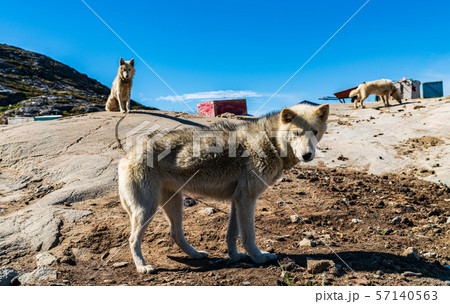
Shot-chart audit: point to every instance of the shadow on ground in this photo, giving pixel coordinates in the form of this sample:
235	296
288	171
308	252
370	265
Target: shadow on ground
358	261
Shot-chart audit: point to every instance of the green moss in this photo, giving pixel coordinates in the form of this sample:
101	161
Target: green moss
10	107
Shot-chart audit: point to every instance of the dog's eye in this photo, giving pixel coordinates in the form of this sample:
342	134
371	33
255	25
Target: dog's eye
315	132
295	133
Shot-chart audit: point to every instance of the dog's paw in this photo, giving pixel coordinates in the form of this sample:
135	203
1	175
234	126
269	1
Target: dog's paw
238	256
198	255
145	269
263	258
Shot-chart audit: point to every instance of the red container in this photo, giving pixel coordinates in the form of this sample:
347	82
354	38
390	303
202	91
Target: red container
217	107
344	94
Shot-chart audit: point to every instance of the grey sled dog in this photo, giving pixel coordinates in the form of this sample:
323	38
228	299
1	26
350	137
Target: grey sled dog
234	162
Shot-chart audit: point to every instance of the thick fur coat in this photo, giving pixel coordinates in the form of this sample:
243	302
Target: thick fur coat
119	98
384	88
233	162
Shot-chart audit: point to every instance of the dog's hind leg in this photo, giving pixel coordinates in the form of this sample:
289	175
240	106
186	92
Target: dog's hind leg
233	233
140	219
362	98
141	205
111	103
383	99
246	219
172	205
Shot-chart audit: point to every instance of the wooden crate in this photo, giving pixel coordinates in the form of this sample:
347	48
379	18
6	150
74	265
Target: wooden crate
216	107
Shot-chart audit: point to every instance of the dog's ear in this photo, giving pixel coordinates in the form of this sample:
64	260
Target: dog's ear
122	61
132	62
323	112
287	115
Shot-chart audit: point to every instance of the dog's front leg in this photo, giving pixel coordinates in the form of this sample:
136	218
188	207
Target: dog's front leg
246	218
120	101
127	103
232	234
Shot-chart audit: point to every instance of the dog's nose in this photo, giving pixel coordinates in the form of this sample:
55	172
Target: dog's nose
307	156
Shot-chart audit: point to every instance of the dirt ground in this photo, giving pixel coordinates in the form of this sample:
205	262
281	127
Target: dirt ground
348	215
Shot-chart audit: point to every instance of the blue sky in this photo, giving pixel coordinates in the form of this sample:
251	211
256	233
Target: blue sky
221	49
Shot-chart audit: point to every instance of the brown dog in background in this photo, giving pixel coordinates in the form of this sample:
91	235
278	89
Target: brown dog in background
119	98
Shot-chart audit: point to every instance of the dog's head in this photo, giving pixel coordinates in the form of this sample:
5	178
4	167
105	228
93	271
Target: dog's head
302	127
396	95
126	69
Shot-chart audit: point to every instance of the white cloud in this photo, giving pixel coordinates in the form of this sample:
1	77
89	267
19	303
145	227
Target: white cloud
211	95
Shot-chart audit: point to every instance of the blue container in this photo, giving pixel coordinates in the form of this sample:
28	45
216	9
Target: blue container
47	117
432	89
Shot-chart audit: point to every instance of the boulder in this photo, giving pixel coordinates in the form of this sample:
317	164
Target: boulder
6	275
42	273
45	259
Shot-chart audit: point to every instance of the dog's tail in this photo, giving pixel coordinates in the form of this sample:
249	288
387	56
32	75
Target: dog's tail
116	132
354	92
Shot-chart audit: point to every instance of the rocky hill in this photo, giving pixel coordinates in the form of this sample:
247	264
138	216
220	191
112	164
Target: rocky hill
34	84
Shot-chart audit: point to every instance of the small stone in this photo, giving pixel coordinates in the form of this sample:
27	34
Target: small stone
207	211
318	266
356	221
379	272
109	281
306	243
45	259
189	202
119	264
66	281
430	254
362	282
448	220
295	218
246	283
411	274
411	252
159	242
397	220
6	275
